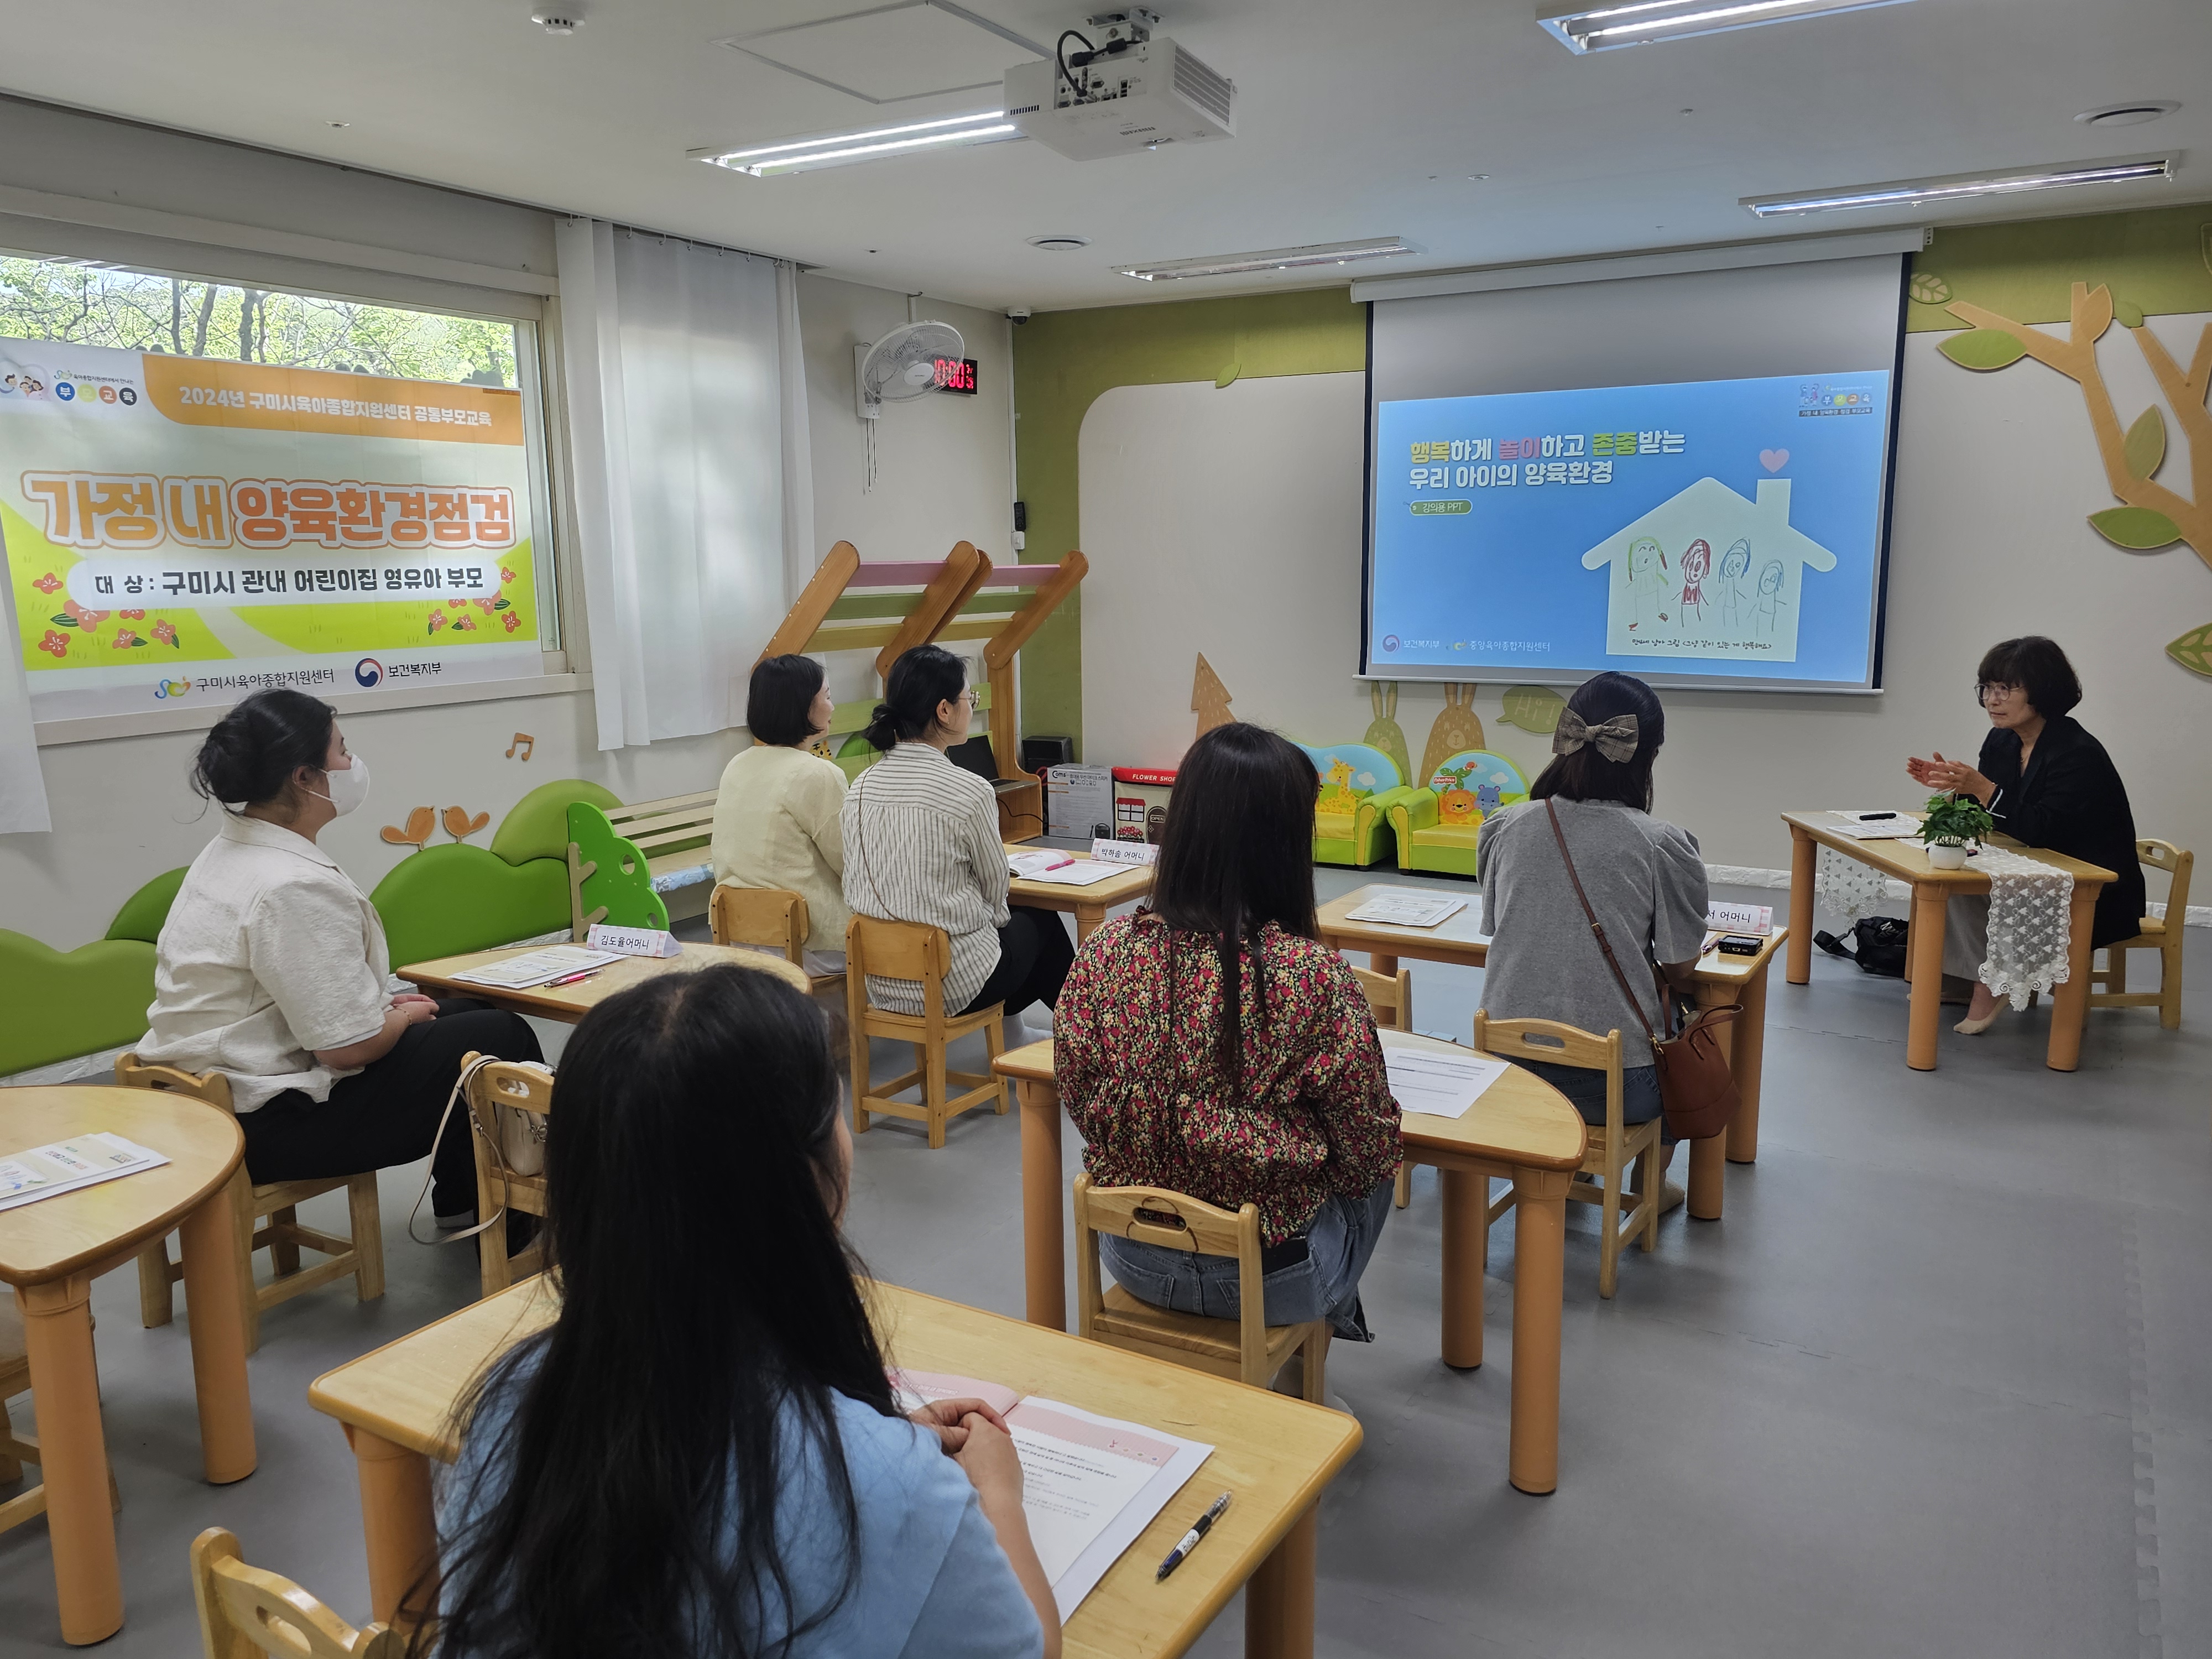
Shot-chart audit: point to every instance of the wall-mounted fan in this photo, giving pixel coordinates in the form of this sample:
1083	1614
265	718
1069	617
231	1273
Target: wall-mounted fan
901	365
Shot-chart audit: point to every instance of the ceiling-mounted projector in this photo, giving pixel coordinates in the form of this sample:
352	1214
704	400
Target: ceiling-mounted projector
1129	92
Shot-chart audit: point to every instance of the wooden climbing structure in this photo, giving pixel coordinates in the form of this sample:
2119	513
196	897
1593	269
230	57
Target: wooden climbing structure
850	606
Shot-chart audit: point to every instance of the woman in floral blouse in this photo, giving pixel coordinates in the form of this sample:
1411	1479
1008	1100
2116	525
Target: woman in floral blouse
1211	1045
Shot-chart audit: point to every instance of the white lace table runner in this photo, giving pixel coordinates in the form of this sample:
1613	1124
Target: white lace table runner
1848	889
2031	924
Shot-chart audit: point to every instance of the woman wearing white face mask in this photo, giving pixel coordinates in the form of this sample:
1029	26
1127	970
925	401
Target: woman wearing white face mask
272	969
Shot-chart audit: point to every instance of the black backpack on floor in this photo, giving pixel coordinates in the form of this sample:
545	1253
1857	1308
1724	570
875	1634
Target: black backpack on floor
1881	945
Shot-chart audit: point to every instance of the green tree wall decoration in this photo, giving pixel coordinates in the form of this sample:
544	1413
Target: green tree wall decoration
2152	515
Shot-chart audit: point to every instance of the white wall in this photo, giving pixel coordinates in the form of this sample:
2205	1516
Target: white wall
1228	521
121	809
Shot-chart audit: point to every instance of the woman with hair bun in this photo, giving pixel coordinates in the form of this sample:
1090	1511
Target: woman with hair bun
922	845
272	970
2048	783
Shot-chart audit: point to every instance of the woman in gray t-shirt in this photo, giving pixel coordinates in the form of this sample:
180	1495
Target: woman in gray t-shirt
1645	880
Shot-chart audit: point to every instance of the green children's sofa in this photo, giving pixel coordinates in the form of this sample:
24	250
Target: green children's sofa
1437	825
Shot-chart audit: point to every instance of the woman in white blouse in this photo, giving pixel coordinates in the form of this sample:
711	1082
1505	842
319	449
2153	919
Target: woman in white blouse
776	814
272	970
921	844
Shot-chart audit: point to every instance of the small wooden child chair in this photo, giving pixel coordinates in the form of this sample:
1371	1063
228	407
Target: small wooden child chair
1390	1000
360	1254
905	950
767	918
504	1082
2160	934
245	1611
1612	1148
1246	1348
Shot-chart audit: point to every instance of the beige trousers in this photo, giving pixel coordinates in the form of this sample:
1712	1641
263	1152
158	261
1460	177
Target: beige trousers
1966	935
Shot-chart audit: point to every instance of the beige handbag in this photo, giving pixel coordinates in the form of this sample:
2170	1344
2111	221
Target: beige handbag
517	1140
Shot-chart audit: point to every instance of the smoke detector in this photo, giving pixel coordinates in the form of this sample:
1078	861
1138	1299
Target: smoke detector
565	21
2133	114
1059	243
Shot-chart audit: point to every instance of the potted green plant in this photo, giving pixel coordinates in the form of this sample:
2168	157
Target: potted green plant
1952	821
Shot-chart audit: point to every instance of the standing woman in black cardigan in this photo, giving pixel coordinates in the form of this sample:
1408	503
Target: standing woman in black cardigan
2048	783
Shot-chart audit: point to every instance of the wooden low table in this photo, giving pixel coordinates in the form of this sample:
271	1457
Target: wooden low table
1721	980
1932	888
1274	1453
1088	905
51	1252
570	1003
1521	1129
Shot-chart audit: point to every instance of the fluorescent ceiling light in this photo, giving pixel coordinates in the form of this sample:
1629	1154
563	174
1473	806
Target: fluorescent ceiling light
1585	29
1275	258
1958	187
844	149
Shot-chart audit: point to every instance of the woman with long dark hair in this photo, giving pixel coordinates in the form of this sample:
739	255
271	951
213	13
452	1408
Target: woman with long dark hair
2048	783
1645	879
272	969
922	845
721	1474
777	808
1211	1045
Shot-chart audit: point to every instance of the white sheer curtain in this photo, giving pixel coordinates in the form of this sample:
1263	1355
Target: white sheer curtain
687	422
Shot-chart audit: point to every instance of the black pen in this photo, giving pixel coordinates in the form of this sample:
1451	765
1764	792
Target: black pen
1202	1525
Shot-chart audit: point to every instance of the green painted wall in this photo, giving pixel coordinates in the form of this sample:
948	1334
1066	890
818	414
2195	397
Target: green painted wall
2160	259
1064	359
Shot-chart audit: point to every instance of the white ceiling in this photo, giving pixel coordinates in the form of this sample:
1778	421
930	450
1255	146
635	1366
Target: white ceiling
1354	119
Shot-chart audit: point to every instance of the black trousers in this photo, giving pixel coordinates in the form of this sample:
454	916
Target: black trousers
1035	953
388	1112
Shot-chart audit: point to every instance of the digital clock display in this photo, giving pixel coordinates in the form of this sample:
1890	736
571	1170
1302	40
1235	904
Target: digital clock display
956	374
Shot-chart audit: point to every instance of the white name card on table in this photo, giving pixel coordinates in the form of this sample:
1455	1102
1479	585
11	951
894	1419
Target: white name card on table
1740	918
63	1166
1408	906
1124	852
1437	1082
633	941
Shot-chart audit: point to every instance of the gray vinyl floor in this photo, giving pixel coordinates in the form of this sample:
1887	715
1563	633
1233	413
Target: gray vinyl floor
1940	1382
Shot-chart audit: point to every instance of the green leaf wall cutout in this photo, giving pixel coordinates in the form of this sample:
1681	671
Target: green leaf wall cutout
2193	650
2130	315
2145	448
1983	348
1533	709
2136	527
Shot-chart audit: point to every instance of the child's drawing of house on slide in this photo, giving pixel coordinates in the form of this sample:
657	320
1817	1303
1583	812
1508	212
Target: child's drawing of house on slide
1764	618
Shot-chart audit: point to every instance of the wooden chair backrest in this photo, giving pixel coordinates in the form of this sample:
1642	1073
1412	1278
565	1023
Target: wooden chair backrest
213	1087
898	949
506	1083
1546	1041
245	1611
2176	863
1390	995
1154	1215
767	916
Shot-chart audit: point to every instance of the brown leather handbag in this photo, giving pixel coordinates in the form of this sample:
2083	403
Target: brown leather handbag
1696	1090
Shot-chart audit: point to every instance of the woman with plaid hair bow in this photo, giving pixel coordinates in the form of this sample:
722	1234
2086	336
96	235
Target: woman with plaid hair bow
1644	877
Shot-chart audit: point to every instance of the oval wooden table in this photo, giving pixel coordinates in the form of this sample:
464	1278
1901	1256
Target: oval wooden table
52	1250
1521	1129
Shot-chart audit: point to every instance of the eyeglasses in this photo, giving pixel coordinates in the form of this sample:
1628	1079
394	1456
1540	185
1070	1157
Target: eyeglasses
1990	691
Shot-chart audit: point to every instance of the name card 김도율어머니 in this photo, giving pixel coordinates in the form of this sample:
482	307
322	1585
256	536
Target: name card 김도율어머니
634	941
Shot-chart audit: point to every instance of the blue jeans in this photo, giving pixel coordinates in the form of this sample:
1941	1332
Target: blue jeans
1640	1091
1324	1285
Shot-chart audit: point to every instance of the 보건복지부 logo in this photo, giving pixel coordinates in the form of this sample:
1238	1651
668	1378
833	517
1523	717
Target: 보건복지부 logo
1389	641
368	671
171	687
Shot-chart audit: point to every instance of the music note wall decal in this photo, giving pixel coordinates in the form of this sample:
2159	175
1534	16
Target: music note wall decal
523	741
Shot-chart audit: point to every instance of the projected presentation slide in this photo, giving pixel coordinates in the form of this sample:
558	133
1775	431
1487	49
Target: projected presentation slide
1720	531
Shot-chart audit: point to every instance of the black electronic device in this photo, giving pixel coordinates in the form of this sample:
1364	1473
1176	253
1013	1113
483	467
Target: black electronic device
974	756
1038	753
1739	944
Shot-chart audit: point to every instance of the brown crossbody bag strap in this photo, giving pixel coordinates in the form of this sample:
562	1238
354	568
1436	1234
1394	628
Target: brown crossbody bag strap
1697	1090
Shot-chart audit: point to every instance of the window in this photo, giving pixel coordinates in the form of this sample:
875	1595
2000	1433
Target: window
206	487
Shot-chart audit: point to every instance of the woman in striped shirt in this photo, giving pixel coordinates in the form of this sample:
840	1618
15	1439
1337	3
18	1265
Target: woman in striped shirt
922	845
